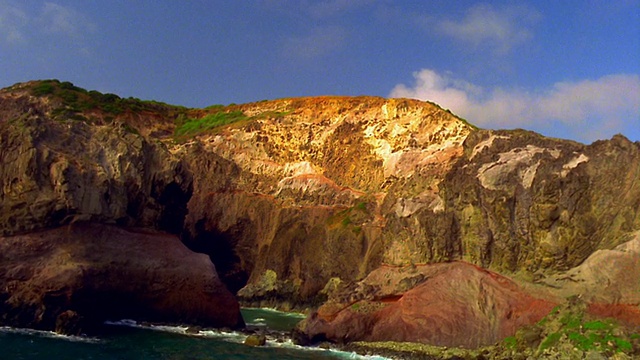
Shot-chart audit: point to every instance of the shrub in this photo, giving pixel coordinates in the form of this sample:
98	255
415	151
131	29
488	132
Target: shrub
550	340
44	88
510	342
211	121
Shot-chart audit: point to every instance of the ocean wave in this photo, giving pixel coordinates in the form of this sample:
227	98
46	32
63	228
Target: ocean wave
275	312
48	334
239	338
177	329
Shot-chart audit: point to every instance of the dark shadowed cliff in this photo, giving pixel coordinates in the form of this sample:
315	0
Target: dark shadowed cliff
301	201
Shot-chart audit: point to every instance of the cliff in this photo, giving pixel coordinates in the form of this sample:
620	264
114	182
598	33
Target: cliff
298	201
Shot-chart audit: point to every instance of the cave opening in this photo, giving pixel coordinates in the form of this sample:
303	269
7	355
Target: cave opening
221	249
174	200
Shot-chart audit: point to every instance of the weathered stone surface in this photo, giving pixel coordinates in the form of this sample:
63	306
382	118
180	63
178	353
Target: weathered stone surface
75	277
608	280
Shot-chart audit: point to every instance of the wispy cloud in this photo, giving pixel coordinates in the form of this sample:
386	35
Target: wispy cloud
13	21
20	24
321	29
315	9
327	8
58	19
319	42
591	109
485	27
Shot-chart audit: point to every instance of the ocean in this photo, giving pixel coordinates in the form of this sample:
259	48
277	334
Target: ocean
128	340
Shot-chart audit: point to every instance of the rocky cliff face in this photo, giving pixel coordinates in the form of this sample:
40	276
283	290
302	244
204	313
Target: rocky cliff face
56	170
295	199
74	278
336	187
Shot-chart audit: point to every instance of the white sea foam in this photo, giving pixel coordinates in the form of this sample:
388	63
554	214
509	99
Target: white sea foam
258	321
276	311
135	324
239	338
48	334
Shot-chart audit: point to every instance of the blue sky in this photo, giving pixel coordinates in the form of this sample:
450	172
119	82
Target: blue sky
568	69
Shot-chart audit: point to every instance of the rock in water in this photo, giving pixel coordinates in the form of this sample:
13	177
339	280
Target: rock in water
52	279
69	323
255	340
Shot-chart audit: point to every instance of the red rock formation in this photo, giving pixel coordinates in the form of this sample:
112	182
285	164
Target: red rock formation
458	304
99	272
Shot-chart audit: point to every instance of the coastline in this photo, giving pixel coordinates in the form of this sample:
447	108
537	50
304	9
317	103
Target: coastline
414	351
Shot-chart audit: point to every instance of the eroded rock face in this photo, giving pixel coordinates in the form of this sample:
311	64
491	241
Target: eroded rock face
73	278
544	205
304	193
335	187
54	172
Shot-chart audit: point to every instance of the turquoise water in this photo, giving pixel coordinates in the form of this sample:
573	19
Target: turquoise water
127	340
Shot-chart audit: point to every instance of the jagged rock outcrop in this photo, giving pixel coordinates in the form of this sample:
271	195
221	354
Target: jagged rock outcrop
55	172
73	278
294	199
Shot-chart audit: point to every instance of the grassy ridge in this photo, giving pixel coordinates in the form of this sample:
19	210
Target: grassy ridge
221	116
74	101
71	102
190	127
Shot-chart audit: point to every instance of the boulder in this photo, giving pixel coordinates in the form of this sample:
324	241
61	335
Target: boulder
256	340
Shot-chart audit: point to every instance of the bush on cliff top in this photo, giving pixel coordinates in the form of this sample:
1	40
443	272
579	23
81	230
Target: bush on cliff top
220	116
75	100
191	127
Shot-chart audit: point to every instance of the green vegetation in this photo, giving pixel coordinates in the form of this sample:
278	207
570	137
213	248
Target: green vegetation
219	116
510	342
351	217
567	327
42	89
73	101
550	340
192	127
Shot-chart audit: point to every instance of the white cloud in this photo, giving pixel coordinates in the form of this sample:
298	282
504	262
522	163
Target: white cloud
591	109
485	26
19	24
319	42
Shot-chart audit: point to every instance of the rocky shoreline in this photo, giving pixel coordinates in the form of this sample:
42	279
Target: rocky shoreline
393	219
